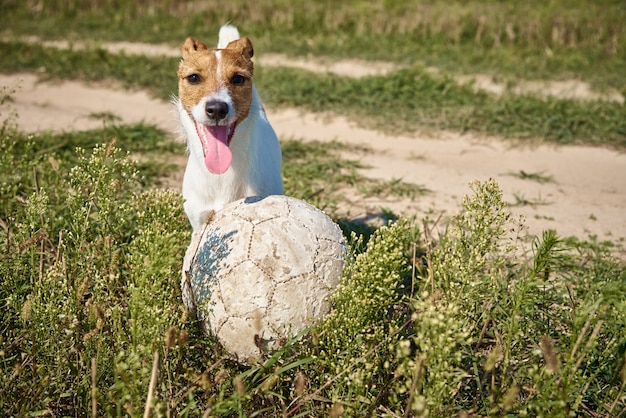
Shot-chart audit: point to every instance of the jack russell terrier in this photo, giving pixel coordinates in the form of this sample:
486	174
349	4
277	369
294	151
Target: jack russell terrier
233	149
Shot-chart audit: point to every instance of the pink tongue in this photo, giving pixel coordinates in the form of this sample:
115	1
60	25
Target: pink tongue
217	155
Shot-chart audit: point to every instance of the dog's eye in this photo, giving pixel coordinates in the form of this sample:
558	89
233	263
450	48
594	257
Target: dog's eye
194	79
238	79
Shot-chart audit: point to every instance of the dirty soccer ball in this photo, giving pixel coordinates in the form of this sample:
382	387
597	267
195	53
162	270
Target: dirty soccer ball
262	271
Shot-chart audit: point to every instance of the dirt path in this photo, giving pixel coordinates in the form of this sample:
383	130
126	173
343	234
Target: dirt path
586	194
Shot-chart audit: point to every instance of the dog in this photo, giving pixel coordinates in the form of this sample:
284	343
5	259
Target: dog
233	150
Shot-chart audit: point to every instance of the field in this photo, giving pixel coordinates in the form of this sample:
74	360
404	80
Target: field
494	298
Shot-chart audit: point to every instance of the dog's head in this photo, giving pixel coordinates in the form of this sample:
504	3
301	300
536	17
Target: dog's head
215	88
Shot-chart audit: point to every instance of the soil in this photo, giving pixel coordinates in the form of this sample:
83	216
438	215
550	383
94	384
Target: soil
584	193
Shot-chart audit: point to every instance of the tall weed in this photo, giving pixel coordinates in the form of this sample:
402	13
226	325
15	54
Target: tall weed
90	279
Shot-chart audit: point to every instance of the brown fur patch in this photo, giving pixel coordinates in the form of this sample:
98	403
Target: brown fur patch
214	73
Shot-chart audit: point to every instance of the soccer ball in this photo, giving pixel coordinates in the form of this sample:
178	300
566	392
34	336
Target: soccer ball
261	271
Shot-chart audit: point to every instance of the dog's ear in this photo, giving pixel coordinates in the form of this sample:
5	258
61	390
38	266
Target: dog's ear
242	46
191	45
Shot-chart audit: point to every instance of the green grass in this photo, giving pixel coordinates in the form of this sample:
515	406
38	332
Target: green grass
394	103
308	166
148	143
411	97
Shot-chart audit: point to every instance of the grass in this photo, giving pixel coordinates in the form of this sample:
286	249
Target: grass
404	98
540	177
310	164
148	141
473	322
521	200
394	187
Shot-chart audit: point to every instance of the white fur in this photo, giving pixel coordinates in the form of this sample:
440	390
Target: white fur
199	110
228	33
218	56
256	163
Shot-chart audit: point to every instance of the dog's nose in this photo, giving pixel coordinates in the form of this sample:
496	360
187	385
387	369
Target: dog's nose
216	110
